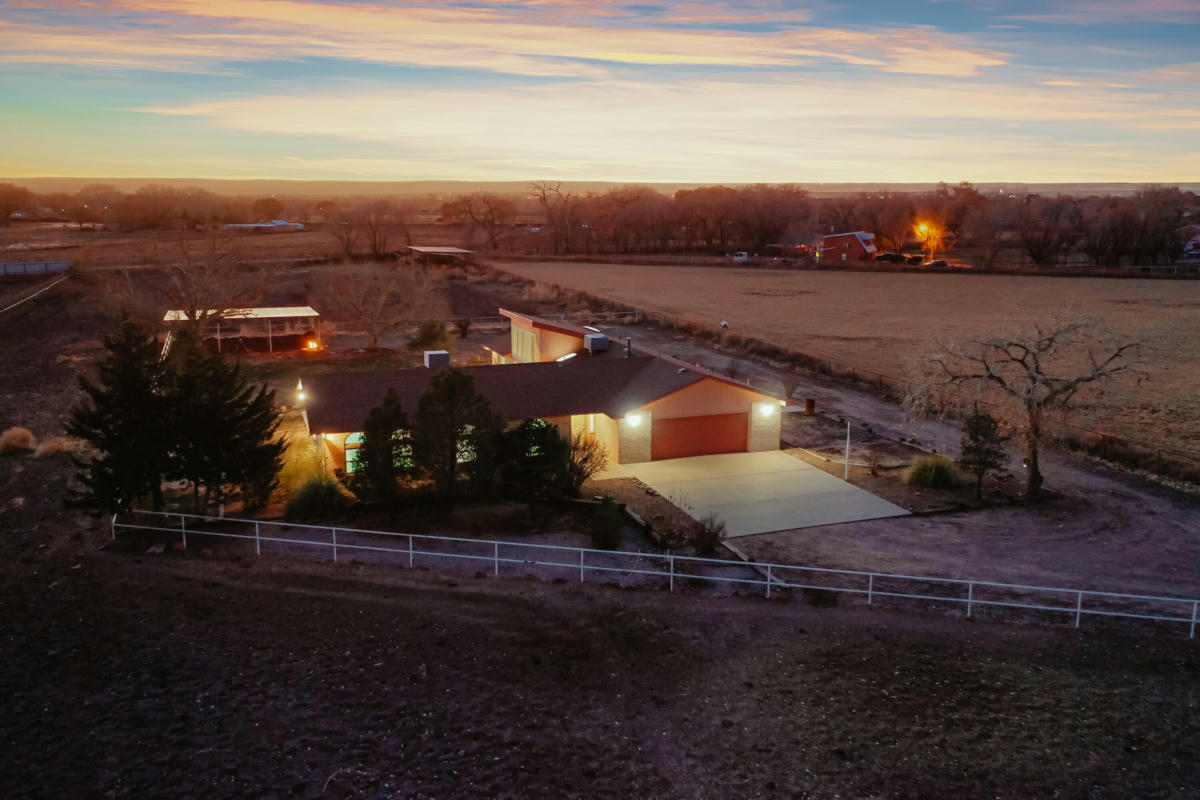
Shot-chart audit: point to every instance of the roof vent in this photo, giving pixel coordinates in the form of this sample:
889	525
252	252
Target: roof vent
436	359
595	342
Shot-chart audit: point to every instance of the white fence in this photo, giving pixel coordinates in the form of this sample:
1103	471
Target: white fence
664	569
33	267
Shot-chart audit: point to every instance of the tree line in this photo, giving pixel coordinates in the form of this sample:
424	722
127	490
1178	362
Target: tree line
1145	228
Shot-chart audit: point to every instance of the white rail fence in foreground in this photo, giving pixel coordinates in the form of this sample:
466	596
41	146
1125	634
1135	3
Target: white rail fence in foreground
663	569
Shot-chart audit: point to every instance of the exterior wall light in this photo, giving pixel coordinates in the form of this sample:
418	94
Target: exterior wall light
766	409
634	419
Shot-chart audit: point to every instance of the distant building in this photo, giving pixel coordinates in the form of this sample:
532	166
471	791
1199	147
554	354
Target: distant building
857	247
274	226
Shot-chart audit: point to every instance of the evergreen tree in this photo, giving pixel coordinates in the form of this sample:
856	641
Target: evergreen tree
126	420
386	452
224	429
531	461
982	448
455	432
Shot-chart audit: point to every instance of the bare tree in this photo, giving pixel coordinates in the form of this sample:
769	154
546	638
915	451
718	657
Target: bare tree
561	209
484	212
376	220
585	457
13	198
1048	368
376	299
206	284
345	231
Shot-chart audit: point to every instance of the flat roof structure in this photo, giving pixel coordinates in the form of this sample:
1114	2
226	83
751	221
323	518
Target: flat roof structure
269	312
441	251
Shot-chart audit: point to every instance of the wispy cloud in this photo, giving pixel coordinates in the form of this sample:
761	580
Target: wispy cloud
782	130
565	39
1096	12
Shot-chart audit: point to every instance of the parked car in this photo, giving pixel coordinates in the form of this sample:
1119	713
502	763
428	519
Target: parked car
890	258
740	255
914	260
937	262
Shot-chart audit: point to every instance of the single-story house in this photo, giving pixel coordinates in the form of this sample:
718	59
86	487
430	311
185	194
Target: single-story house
640	406
857	247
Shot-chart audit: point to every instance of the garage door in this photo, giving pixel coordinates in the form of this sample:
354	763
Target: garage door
699	436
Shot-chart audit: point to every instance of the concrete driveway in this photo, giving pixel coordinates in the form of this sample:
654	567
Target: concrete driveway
757	492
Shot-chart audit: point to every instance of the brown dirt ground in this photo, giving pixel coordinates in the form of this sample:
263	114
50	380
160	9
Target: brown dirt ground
879	322
818	440
139	677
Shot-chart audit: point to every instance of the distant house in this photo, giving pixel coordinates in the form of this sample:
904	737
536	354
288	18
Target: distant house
1190	235
274	226
857	247
640	406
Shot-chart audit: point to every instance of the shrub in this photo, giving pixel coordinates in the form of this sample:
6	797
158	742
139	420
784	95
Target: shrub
932	472
709	531
432	335
607	526
321	498
16	440
58	444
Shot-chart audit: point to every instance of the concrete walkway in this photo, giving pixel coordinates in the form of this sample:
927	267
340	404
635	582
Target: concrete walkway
757	492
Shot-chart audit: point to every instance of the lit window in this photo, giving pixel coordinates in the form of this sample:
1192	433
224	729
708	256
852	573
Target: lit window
353	452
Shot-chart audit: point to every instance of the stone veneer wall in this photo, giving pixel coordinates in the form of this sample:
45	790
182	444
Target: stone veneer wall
633	441
764	429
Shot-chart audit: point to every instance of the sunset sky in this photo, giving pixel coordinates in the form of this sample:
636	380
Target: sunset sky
927	90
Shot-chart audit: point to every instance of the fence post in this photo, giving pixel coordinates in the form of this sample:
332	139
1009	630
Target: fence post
257	540
870	589
581	552
1078	608
496	558
1195	608
671	564
970	598
335	544
768	581
183	530
112	526
410	551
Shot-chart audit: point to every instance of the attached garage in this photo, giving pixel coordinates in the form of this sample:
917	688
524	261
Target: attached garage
682	437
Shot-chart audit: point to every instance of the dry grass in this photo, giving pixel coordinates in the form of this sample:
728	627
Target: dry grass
17	440
879	322
59	444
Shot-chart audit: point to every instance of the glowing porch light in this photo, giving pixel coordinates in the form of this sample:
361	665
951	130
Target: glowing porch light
766	409
312	344
634	419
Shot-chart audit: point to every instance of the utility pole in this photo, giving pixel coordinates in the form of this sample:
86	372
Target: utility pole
846	474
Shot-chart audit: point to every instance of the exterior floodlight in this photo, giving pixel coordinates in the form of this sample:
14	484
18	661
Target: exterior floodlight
301	396
766	409
634	419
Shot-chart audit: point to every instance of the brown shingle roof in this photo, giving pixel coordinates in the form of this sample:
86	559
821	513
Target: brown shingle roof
339	402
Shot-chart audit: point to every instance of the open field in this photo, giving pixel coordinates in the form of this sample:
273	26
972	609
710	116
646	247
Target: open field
99	249
879	322
280	679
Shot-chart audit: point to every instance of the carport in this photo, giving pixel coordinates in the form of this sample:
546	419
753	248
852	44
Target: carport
757	492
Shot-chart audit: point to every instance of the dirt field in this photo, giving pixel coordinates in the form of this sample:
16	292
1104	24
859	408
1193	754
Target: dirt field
138	677
878	322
